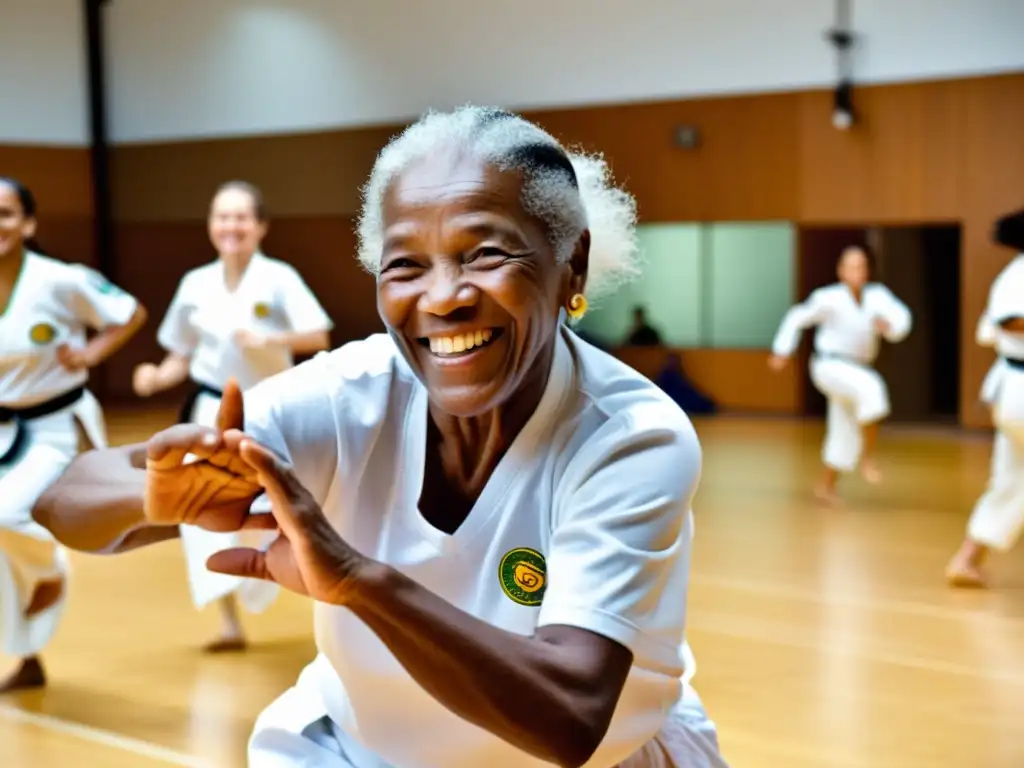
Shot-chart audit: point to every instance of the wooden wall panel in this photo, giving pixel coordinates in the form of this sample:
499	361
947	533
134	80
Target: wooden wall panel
742	170
737	379
317	174
946	151
901	164
60	179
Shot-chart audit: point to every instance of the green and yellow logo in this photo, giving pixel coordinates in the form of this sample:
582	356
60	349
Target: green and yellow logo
42	333
523	576
261	310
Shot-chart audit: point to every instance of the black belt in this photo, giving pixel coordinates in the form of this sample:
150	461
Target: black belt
1014	362
197	389
21	416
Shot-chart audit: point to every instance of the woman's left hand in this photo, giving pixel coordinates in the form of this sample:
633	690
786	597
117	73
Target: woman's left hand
308	556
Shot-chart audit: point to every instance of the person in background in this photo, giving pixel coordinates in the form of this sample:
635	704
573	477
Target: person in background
673	382
998	517
245	317
643	333
849	317
46	308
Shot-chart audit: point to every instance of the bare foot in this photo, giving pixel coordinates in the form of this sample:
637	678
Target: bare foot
29	675
870	472
960	574
226	644
46	595
827	496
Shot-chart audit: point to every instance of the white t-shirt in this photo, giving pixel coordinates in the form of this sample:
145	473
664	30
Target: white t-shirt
53	303
589	509
204	317
844	327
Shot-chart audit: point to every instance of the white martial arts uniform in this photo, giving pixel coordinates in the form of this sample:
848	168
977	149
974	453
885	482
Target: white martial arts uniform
845	348
998	517
53	304
201	324
586	521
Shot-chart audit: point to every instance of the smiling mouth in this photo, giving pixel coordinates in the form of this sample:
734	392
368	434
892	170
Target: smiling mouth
460	344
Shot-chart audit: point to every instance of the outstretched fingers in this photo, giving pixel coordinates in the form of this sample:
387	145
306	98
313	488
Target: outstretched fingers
231	414
169	448
240	561
282	487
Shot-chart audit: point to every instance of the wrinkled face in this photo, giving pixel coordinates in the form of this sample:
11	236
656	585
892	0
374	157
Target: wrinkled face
853	268
234	227
469	285
15	226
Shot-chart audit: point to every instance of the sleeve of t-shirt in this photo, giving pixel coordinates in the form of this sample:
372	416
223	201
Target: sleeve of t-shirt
619	558
176	333
1006	297
97	302
304	312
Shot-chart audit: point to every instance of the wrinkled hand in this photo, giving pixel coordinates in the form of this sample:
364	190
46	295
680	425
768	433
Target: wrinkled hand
882	326
73	360
308	557
777	362
215	490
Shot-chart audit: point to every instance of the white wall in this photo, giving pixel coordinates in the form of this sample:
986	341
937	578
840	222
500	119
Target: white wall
43	85
193	68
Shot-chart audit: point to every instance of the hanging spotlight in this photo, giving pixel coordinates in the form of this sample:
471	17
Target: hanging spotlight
842	39
842	109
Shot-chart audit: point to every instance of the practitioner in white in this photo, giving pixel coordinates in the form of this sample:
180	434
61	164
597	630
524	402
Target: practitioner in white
244	316
998	517
849	317
45	308
492	516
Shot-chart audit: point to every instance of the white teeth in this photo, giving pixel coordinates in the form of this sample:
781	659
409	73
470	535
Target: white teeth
451	345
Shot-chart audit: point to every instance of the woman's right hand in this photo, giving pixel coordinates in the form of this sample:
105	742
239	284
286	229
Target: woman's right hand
146	380
777	362
192	477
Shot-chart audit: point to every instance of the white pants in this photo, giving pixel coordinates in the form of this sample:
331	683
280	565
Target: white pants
998	517
295	731
29	554
856	396
255	595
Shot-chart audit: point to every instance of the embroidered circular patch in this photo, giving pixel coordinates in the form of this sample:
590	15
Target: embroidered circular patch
261	310
42	333
523	575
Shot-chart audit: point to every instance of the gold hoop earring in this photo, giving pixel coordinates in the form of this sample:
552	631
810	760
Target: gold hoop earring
577	306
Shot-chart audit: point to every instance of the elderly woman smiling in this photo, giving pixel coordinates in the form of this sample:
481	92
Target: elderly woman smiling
492	517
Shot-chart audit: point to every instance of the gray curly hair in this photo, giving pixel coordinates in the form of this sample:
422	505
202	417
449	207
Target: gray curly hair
569	191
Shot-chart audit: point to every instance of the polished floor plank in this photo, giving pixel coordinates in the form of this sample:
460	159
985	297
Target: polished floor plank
825	638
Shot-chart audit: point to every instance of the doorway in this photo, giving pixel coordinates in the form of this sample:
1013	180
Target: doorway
921	265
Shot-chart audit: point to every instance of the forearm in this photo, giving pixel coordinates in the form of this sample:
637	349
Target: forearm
172	371
787	338
108	341
98	500
308	343
471	667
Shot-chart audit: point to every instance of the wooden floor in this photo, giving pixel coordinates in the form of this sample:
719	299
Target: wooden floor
824	638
